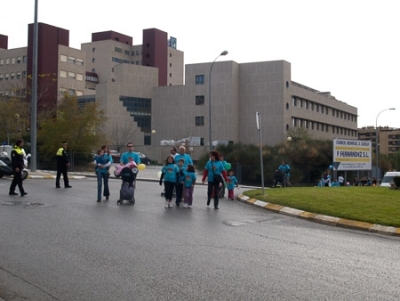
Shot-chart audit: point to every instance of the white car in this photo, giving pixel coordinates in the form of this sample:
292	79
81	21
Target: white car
388	178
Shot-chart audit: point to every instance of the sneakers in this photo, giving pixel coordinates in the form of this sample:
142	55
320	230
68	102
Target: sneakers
169	205
166	204
185	205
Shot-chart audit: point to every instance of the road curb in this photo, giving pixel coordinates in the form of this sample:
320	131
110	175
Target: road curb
322	219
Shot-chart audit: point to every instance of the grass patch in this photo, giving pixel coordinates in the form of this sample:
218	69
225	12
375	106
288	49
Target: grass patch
375	205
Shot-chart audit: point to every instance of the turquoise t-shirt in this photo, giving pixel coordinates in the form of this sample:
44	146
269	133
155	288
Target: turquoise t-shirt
170	172
214	168
125	157
190	178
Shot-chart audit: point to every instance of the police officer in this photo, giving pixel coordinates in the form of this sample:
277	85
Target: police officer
62	166
17	160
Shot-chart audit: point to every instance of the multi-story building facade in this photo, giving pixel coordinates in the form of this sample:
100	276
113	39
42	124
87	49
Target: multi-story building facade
143	86
388	138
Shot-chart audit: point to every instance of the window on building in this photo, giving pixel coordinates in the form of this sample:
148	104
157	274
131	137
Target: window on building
327	109
341	115
79	76
317	126
13	60
311	125
199	120
322	127
71	60
312	106
1	62
333	112
317	107
1	76
79	93
116	49
71	91
294	122
294	101
127	52
306	104
63	91
71	75
79	62
337	113
199	79
333	129
300	103
199	100
23	74
19	60
63	73
18	75
24	59
327	128
6	76
7	61
322	109
63	58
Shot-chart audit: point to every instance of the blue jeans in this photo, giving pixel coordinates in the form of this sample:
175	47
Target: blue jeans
102	177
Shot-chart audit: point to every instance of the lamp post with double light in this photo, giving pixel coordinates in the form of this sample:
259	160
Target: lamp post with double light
377	142
209	98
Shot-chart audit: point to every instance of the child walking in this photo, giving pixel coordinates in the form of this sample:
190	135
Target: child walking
189	182
171	174
179	184
232	182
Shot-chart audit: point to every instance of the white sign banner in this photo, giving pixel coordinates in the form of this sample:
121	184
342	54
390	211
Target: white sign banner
352	154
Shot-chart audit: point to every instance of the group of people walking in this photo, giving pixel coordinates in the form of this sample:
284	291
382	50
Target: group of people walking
179	174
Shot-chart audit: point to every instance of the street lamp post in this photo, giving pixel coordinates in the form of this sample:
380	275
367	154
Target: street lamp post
153	132
209	98
377	142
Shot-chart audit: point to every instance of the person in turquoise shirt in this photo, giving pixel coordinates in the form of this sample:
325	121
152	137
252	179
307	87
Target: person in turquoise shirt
170	174
232	182
129	154
182	155
102	165
215	173
179	184
189	182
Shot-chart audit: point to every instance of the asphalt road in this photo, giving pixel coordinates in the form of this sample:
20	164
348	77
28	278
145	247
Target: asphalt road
60	244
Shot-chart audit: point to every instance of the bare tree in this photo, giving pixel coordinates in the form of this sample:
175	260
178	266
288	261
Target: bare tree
121	133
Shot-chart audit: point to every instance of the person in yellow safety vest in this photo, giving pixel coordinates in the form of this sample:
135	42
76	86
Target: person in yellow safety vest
17	159
62	166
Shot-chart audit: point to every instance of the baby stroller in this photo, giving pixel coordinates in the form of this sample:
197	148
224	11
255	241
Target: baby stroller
127	191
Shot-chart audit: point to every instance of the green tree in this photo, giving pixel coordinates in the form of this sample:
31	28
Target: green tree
70	122
14	118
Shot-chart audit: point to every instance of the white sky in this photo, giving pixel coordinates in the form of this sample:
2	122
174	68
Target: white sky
348	47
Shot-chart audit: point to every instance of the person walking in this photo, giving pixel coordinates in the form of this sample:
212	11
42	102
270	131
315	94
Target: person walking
170	172
215	173
103	162
285	169
189	182
130	154
232	182
183	155
62	166
17	161
179	184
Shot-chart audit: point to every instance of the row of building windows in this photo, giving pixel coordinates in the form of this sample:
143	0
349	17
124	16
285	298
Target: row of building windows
71	92
13	92
71	75
323	127
13	75
127	52
13	60
122	61
310	105
70	59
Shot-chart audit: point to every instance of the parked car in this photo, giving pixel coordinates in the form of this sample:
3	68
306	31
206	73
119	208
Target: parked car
116	156
144	159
